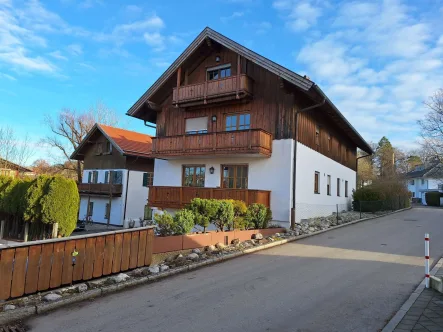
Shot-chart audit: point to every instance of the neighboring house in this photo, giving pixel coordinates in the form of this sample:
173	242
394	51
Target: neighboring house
233	124
118	168
8	168
425	178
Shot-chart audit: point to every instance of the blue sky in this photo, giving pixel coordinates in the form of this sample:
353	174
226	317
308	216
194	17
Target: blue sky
377	60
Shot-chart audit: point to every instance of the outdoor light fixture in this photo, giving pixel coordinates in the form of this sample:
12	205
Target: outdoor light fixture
214	118
211	170
217	59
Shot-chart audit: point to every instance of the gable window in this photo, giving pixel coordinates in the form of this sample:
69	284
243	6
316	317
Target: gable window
235	176
196	125
328	186
148	179
317	135
338	186
238	121
194	176
346	188
317	183
219	72
108	149
329	142
98	149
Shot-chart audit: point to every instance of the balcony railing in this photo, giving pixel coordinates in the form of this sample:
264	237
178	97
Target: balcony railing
213	90
178	197
100	189
252	141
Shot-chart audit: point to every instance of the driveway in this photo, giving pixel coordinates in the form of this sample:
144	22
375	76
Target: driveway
351	279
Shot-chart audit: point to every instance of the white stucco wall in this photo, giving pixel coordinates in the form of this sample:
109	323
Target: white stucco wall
309	204
274	173
418	186
137	196
98	214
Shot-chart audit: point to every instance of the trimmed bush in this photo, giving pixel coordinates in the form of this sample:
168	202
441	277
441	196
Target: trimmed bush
184	221
204	210
433	198
224	215
165	224
259	215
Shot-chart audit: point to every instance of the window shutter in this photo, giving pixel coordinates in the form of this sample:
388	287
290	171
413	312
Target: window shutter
106	177
89	177
145	179
197	124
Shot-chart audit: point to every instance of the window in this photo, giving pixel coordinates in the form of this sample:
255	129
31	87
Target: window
440	186
147	213
219	72
90	209
238	122
194	176
106	177
328	186
196	125
413	194
93	177
346	188
107	211
338	186
317	183
329	142
412	182
148	179
235	176
422	181
317	135
98	149
108	149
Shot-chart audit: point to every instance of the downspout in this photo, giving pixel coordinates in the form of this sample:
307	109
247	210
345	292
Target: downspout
295	157
126	197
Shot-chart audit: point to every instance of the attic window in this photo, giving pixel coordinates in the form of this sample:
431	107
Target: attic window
219	72
108	149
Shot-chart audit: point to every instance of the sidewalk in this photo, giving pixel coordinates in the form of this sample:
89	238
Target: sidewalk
426	314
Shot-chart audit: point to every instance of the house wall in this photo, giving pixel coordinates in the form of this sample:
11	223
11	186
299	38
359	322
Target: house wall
137	196
274	173
418	186
114	160
99	211
309	204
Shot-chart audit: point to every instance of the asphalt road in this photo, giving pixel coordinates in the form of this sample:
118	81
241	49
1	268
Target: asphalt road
351	279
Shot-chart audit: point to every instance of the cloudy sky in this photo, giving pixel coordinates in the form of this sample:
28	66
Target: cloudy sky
376	60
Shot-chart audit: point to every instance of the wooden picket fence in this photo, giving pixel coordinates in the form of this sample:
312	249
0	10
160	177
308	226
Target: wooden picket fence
38	266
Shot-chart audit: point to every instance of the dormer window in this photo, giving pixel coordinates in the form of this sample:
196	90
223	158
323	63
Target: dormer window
219	72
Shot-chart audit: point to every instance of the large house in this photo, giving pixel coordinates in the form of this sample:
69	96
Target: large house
118	168
232	124
425	178
8	168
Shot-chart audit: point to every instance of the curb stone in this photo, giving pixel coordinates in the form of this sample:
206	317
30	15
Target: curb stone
22	313
392	324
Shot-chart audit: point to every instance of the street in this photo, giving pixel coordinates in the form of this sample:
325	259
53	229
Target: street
350	279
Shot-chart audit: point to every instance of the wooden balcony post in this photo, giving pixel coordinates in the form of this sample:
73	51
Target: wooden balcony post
179	74
205	92
238	76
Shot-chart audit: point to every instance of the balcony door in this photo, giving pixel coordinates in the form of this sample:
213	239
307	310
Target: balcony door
193	176
235	176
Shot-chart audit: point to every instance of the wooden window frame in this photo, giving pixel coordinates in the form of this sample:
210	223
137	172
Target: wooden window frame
148	179
194	180
237	123
235	175
338	187
316	182
328	185
346	188
218	68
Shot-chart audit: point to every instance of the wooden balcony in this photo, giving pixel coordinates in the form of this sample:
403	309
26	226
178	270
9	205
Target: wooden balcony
178	197
254	142
213	91
100	189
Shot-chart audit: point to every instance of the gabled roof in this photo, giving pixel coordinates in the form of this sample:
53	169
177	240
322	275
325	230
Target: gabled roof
10	165
433	171
305	85
128	143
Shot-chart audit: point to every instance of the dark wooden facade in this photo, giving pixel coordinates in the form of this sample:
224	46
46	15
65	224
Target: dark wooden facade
273	106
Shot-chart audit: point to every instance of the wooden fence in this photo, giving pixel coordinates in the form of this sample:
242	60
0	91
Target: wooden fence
38	266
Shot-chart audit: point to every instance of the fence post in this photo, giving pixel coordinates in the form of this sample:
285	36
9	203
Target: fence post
427	259
54	230
26	232
337	212
2	229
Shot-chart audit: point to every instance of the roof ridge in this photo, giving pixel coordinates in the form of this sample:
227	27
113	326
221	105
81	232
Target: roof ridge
118	128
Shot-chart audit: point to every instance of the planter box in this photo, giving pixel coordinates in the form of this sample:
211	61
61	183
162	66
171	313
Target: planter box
192	241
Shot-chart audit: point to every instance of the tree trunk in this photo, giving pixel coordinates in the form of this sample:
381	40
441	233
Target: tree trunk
79	171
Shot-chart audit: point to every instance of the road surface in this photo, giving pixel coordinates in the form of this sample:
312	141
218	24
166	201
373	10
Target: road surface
351	279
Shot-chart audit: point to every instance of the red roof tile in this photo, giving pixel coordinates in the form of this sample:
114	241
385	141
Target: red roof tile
131	142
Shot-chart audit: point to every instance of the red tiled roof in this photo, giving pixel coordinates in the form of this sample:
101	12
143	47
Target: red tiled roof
130	142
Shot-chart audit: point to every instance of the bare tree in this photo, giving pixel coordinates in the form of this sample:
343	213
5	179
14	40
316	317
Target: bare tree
432	126
69	127
13	148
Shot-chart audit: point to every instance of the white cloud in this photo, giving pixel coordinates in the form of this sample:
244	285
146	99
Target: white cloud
155	40
90	3
21	59
231	17
299	15
87	66
58	55
75	49
9	77
152	22
133	9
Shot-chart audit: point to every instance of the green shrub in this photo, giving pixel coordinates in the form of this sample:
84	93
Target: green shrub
224	215
242	223
259	215
238	222
204	210
165	224
433	198
38	188
184	221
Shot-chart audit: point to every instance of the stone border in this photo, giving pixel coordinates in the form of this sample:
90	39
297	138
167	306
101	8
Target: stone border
25	312
392	324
